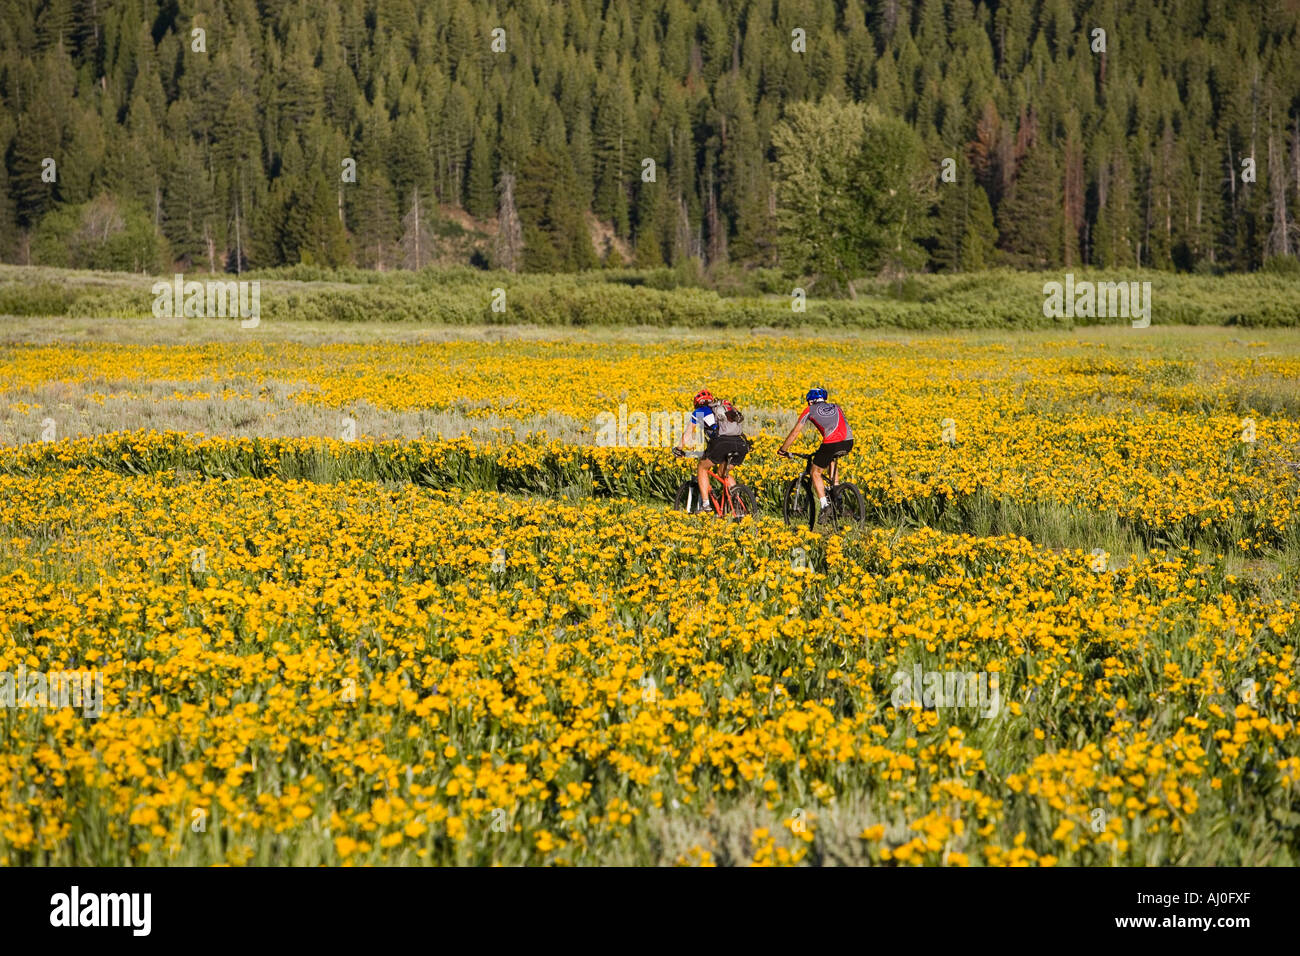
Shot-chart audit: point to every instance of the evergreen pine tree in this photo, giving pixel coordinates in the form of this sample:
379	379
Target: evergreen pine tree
1029	217
375	214
480	198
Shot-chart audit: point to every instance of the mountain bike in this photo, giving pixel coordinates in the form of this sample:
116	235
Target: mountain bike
734	499
844	500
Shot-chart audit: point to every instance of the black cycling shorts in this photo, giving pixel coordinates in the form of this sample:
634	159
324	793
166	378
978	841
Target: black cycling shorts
729	448
830	450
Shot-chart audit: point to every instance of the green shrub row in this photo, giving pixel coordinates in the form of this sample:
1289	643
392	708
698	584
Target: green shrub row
666	298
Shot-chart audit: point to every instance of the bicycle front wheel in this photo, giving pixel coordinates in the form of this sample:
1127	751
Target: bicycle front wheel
688	497
797	505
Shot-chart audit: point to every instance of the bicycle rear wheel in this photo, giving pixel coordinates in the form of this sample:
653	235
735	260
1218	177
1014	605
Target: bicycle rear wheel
797	504
743	502
848	503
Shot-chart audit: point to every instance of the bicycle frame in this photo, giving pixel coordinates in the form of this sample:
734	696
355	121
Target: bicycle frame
831	471
720	477
796	510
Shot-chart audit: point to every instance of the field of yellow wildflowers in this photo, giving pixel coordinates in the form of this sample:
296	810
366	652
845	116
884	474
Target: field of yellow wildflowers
1066	635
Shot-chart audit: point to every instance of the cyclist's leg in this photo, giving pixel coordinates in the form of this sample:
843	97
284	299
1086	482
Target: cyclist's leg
816	467
826	457
819	485
702	478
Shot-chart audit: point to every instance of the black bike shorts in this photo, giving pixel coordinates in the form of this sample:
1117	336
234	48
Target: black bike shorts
830	450
728	448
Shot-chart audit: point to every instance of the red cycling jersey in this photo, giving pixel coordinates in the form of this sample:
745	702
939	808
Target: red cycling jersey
828	419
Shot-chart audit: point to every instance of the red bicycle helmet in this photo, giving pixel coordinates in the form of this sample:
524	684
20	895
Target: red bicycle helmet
703	397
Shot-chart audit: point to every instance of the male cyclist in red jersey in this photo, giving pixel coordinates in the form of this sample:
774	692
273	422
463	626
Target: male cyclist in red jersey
726	441
837	437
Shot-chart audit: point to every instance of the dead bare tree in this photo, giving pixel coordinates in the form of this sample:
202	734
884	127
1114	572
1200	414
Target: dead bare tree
509	246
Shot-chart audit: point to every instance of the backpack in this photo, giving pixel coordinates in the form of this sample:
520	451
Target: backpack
729	418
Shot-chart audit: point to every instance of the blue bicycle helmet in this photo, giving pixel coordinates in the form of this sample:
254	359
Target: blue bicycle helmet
816	395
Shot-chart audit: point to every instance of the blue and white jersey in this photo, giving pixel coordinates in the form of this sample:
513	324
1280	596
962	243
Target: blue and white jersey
704	417
714	421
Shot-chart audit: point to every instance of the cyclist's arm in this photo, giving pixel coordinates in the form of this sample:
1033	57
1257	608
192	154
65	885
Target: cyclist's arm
696	422
794	433
690	431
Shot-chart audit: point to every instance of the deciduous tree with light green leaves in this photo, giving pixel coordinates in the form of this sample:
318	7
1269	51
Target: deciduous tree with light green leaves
814	147
853	193
105	233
